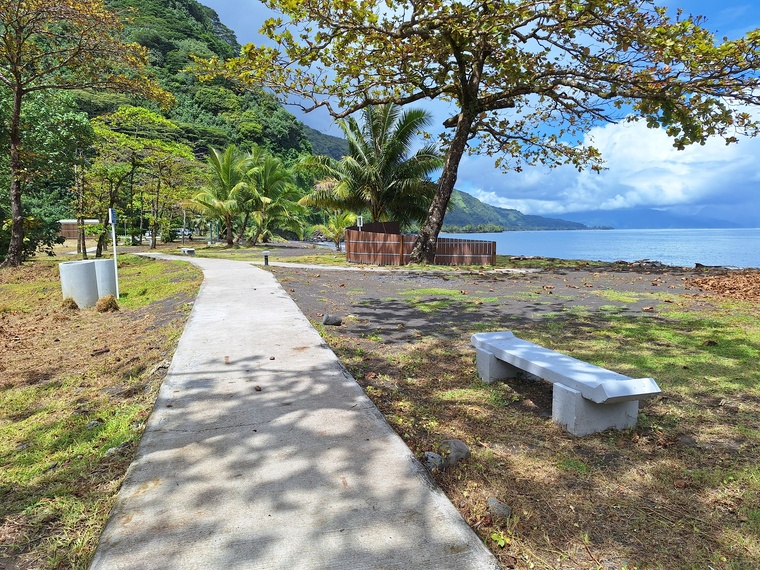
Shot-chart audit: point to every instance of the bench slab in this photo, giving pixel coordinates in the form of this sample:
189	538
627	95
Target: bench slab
586	398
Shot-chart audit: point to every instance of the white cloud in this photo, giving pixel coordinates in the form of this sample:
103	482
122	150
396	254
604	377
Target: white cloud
643	170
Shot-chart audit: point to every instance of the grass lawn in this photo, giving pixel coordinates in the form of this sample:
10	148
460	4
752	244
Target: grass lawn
76	387
681	491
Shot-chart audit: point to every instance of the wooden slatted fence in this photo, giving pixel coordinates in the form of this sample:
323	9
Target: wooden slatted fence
375	248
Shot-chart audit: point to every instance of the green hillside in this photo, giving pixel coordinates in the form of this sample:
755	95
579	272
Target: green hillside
468	214
164	27
327	145
208	114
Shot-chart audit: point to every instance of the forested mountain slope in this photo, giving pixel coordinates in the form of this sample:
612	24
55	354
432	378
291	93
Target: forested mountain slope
468	214
208	114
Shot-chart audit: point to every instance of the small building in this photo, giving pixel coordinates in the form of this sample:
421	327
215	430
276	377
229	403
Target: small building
69	228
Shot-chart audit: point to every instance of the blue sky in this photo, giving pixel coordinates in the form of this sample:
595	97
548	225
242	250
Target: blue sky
643	170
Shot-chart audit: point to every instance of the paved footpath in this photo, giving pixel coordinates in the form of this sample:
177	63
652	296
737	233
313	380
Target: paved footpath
263	452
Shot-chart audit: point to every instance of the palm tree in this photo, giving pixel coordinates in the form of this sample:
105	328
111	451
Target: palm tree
379	176
222	198
248	197
335	226
278	193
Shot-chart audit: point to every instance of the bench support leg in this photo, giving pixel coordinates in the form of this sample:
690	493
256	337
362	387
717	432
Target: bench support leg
492	369
580	416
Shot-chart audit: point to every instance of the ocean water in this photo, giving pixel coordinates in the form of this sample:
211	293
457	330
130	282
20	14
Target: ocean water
682	248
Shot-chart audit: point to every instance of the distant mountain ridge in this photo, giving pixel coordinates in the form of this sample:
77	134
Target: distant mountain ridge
646	218
468	214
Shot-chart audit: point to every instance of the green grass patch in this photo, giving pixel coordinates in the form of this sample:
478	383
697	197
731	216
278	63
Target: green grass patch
434	299
329	258
616	296
432	292
143	281
430	305
612	309
573	464
71	417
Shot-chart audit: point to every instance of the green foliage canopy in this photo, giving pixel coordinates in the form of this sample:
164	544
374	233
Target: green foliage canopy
279	210
527	78
56	139
256	185
335	227
219	198
60	45
137	147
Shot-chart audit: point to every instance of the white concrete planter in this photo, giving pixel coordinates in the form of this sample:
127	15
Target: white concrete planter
79	282
106	278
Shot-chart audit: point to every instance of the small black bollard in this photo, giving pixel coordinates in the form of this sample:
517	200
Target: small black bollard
266	258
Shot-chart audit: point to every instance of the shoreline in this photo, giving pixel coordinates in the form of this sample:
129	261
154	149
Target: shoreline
720	247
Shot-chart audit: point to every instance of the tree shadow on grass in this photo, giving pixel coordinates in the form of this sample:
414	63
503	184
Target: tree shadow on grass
655	496
616	498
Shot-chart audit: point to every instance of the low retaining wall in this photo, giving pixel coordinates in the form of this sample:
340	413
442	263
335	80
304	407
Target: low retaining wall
394	249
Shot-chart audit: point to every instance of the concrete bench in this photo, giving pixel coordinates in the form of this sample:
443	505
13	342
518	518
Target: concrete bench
188	251
585	399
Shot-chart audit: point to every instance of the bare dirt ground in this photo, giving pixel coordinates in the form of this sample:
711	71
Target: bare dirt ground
378	302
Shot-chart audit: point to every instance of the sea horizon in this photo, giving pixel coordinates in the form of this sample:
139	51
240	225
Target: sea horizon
724	247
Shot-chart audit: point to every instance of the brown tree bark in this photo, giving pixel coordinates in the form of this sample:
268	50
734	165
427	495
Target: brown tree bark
81	238
229	234
423	250
101	245
16	246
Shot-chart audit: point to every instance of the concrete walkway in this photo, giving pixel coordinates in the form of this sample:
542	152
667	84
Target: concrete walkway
263	452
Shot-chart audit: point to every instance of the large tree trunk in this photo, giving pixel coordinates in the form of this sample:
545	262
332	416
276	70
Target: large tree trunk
154	212
424	247
81	237
101	245
16	246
